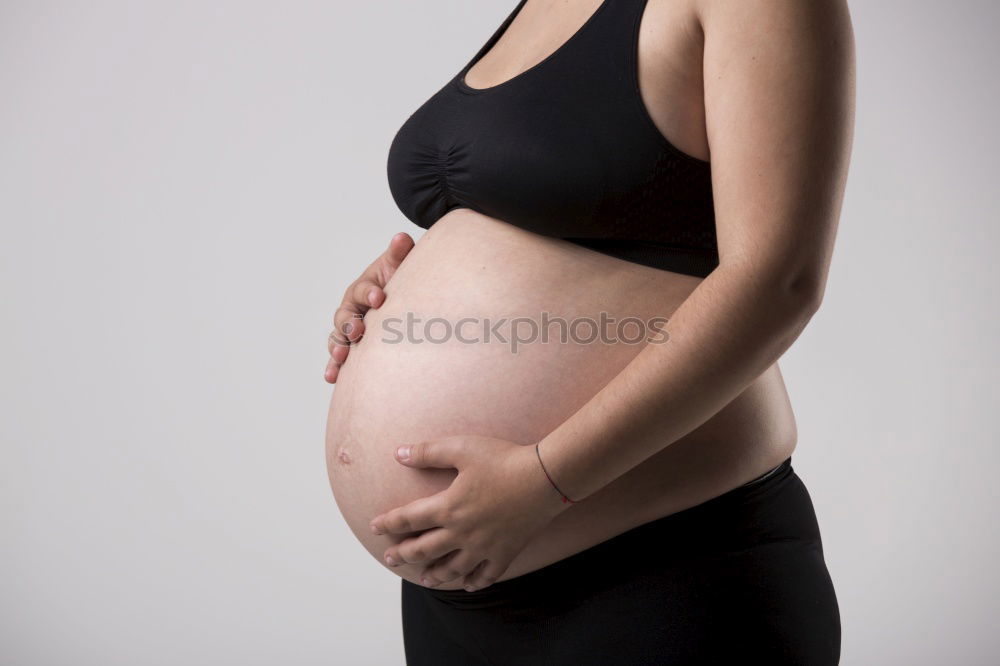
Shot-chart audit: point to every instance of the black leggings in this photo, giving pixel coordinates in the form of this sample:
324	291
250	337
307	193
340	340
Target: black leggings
737	579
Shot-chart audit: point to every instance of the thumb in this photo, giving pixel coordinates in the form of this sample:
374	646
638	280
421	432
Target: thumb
440	453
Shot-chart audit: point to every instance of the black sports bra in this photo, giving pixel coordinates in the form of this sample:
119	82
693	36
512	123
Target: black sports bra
564	149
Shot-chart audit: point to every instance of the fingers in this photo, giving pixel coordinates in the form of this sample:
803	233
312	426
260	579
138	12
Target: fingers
445	453
339	354
484	575
339	332
370	290
338	350
332	371
399	246
367	291
458	564
337	343
348	325
337	357
427	547
421	514
363	294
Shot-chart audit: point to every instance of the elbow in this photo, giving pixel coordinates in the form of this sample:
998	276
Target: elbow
794	299
803	291
791	295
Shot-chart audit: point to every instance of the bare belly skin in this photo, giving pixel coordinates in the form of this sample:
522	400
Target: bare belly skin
392	392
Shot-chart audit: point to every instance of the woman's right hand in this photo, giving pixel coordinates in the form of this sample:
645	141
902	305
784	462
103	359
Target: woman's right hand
363	294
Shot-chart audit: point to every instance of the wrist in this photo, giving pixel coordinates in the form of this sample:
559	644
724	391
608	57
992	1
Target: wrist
545	493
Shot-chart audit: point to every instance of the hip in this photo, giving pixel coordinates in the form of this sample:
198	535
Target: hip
740	575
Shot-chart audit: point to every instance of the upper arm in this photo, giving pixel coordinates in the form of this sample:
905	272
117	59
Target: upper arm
779	109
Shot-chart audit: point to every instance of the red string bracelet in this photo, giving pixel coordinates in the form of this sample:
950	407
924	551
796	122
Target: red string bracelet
564	498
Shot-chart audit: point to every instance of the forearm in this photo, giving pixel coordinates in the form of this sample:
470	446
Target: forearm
729	331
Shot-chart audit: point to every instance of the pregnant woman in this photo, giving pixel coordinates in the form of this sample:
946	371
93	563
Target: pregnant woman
657	185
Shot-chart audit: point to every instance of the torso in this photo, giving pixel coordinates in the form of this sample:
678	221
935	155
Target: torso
468	265
472	265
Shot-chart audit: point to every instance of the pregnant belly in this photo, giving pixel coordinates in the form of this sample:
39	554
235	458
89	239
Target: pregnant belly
457	348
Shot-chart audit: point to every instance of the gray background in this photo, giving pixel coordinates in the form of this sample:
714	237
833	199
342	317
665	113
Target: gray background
185	190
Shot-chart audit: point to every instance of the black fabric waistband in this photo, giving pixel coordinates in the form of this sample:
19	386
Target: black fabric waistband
787	462
773	507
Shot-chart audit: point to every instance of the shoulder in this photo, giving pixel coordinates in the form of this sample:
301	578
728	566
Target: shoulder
779	111
792	25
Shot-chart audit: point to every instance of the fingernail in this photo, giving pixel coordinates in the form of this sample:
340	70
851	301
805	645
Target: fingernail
403	453
371	298
374	529
388	560
470	588
348	327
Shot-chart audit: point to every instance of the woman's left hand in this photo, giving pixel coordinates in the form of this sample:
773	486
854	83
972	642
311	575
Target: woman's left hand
500	499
